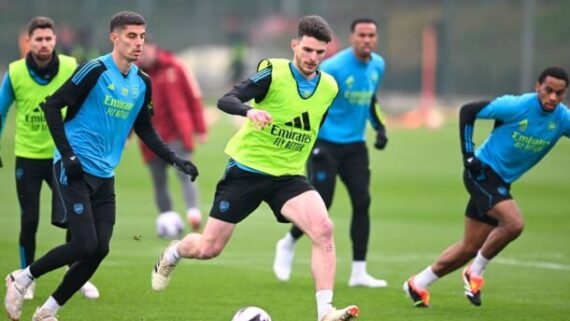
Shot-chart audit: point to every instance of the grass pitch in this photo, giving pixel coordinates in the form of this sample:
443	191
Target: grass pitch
417	211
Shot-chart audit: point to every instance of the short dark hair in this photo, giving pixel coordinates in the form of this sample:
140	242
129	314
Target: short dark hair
316	27
555	72
362	20
126	18
40	22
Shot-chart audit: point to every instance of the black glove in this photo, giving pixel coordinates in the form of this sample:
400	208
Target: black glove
472	163
186	167
381	139
72	165
1	164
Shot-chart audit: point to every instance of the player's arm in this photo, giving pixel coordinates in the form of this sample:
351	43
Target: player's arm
467	115
378	123
146	132
255	87
6	100
71	94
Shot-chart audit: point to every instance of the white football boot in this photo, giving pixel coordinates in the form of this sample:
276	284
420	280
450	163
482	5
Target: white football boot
162	271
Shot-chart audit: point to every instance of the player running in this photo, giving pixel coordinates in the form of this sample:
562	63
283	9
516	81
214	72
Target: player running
526	129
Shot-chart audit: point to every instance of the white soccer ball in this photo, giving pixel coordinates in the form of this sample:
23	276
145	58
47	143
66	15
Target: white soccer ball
169	225
251	314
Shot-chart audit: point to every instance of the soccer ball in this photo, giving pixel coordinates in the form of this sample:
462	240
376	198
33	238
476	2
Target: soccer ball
251	314
169	225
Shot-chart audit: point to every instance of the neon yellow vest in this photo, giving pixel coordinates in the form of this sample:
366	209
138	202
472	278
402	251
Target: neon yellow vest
283	147
33	139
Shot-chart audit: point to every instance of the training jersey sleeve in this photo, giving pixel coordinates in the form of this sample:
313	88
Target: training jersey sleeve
71	94
255	87
144	129
504	109
467	116
376	118
6	100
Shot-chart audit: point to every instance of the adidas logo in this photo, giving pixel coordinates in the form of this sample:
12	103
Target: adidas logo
301	122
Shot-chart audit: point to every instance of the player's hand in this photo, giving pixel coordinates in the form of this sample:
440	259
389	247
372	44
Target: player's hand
72	165
381	139
186	167
472	163
260	118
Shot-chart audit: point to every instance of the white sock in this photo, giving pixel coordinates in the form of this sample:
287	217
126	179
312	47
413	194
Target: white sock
479	264
358	268
288	240
52	305
172	254
324	302
425	278
24	278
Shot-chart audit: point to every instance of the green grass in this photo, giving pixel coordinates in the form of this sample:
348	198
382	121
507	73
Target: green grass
418	201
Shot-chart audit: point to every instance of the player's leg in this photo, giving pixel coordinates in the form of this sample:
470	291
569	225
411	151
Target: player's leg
354	171
28	186
89	290
495	206
451	259
296	201
166	216
321	171
189	190
308	211
510	227
98	229
238	194
77	249
30	173
80	271
159	177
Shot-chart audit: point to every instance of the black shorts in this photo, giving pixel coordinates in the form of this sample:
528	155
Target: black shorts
486	188
240	192
90	198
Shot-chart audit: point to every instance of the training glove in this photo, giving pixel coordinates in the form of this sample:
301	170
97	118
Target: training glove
381	139
186	167
72	165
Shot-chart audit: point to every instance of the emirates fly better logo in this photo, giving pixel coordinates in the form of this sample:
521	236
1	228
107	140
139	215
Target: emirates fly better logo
293	135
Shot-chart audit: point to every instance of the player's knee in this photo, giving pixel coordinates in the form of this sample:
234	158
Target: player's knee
208	250
514	228
362	202
209	253
85	248
323	230
102	250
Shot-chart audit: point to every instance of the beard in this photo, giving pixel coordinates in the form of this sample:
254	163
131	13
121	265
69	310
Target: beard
42	56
